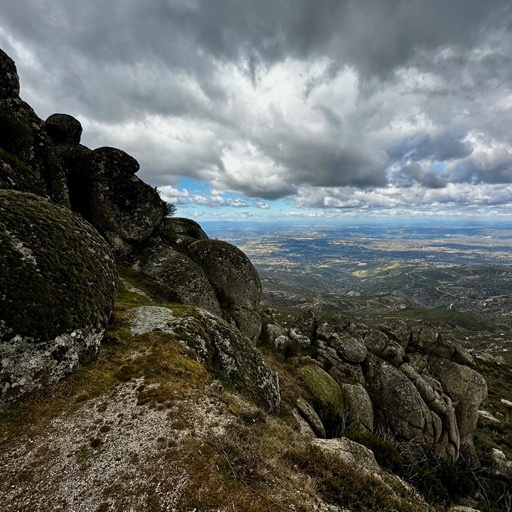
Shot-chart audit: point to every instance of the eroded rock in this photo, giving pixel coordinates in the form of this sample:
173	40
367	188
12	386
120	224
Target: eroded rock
358	406
28	159
350	452
177	277
399	405
124	209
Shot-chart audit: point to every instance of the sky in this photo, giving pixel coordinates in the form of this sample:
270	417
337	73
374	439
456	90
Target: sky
284	109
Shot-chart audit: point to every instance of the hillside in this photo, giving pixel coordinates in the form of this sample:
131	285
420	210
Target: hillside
140	371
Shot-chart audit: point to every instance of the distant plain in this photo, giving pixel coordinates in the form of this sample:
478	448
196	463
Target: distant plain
456	273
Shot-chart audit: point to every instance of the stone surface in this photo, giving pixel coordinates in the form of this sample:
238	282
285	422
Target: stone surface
500	464
325	395
309	414
430	390
358	406
466	389
177	277
299	338
398	404
33	164
349	348
350	452
273	332
179	233
9	80
235	280
397	330
124	209
214	342
485	417
57	289
380	345
64	130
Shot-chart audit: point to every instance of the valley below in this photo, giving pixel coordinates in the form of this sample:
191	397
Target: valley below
454	274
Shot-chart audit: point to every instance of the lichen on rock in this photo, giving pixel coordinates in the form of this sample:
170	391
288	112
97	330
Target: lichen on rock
124	209
22	134
176	276
235	280
57	289
212	341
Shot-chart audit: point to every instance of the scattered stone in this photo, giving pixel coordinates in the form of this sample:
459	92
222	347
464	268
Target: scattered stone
500	464
215	388
487	417
350	452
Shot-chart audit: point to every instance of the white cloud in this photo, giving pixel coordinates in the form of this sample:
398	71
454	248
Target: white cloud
338	105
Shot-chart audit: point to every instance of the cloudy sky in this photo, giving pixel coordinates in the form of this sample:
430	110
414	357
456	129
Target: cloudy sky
284	108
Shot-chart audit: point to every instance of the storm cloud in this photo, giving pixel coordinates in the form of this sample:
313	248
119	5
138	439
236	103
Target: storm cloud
332	104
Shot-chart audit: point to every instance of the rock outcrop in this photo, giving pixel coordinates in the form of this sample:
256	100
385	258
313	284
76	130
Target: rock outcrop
217	344
178	278
57	289
124	209
28	160
66	270
408	381
235	281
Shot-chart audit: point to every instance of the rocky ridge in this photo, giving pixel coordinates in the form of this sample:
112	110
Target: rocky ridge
409	381
72	217
59	198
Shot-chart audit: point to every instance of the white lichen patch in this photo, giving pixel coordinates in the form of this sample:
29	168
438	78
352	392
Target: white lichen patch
25	252
151	318
27	366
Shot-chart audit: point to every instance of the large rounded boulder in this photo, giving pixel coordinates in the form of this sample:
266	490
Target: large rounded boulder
64	130
179	232
235	281
466	389
399	406
57	290
177	277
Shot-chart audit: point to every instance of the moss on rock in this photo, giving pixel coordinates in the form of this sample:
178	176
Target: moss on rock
326	397
16	175
57	289
235	281
56	272
214	342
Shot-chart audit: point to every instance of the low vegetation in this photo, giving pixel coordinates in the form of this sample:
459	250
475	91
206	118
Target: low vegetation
208	450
